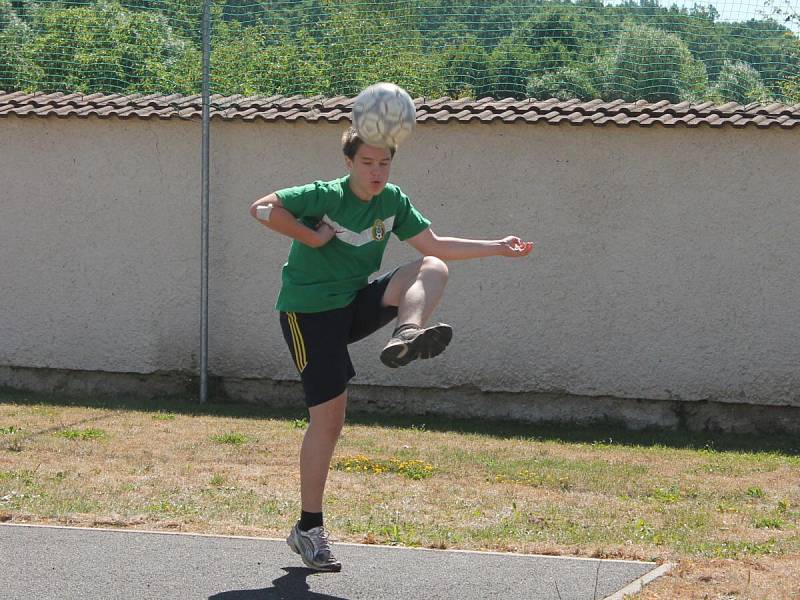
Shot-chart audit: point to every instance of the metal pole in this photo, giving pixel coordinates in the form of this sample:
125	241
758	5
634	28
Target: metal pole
205	204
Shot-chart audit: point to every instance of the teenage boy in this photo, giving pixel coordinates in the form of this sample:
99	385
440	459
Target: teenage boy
340	229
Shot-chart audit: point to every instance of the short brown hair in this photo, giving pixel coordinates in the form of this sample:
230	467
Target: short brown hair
351	142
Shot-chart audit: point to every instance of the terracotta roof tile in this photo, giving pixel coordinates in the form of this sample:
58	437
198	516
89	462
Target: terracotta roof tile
438	110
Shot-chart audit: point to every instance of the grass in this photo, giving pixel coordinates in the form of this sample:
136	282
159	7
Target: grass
163	416
235	439
82	434
716	504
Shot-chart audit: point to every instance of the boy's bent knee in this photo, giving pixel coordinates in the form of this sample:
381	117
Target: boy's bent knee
432	263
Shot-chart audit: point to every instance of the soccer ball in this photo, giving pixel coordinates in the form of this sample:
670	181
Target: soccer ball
384	115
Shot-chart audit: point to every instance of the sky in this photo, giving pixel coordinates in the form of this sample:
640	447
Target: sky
740	10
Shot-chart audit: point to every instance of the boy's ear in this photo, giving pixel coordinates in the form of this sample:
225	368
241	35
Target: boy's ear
348	163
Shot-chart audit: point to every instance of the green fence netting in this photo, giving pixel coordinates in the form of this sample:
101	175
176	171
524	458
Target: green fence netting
744	51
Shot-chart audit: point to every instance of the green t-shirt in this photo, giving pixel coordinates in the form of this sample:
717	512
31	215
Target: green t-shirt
326	278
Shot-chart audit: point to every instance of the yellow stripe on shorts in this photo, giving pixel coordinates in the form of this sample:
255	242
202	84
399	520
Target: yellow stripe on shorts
299	346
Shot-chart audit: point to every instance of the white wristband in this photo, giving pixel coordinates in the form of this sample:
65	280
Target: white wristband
263	212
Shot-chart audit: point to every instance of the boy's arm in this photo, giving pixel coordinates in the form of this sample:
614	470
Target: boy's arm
450	248
282	221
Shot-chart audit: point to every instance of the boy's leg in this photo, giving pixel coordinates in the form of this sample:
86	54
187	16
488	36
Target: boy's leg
416	290
324	426
318	344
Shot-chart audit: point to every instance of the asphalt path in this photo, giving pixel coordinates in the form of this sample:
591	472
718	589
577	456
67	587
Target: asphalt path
43	563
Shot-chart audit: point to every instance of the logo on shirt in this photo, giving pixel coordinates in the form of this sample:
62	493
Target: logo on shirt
378	230
375	233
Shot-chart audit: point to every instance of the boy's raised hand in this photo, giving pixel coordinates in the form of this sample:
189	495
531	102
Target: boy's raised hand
514	247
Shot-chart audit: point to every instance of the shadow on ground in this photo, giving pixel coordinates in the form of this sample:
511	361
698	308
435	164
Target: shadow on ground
600	433
292	586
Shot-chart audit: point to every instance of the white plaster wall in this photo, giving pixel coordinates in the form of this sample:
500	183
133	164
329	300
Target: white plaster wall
666	266
99	244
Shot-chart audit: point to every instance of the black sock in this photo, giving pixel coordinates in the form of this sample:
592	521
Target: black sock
309	520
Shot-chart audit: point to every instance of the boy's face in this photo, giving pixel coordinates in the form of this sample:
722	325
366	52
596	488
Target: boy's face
369	170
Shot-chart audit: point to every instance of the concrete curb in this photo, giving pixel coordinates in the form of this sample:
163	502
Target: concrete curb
634	587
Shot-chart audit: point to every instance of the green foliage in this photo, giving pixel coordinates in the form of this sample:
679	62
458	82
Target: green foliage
7	15
16	65
252	60
232	438
100	47
650	64
163	416
461	48
508	69
90	433
560	23
565	84
769	523
790	89
552	55
463	64
739	82
377	42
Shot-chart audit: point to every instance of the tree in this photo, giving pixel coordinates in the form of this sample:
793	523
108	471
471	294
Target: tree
649	64
552	55
636	49
236	56
509	67
561	23
705	39
463	70
739	82
17	69
295	66
790	89
496	23
105	48
378	41
8	15
768	47
565	84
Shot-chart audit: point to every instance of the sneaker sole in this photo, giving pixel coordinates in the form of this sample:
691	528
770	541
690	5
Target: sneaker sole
431	342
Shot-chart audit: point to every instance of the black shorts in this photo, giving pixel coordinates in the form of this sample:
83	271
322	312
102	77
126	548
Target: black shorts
318	341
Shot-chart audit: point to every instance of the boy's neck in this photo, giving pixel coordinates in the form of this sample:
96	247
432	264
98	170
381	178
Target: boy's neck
355	192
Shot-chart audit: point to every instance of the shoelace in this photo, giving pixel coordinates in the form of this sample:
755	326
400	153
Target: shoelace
324	544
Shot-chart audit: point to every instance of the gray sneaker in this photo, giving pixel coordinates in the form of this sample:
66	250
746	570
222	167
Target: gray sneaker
416	342
314	548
